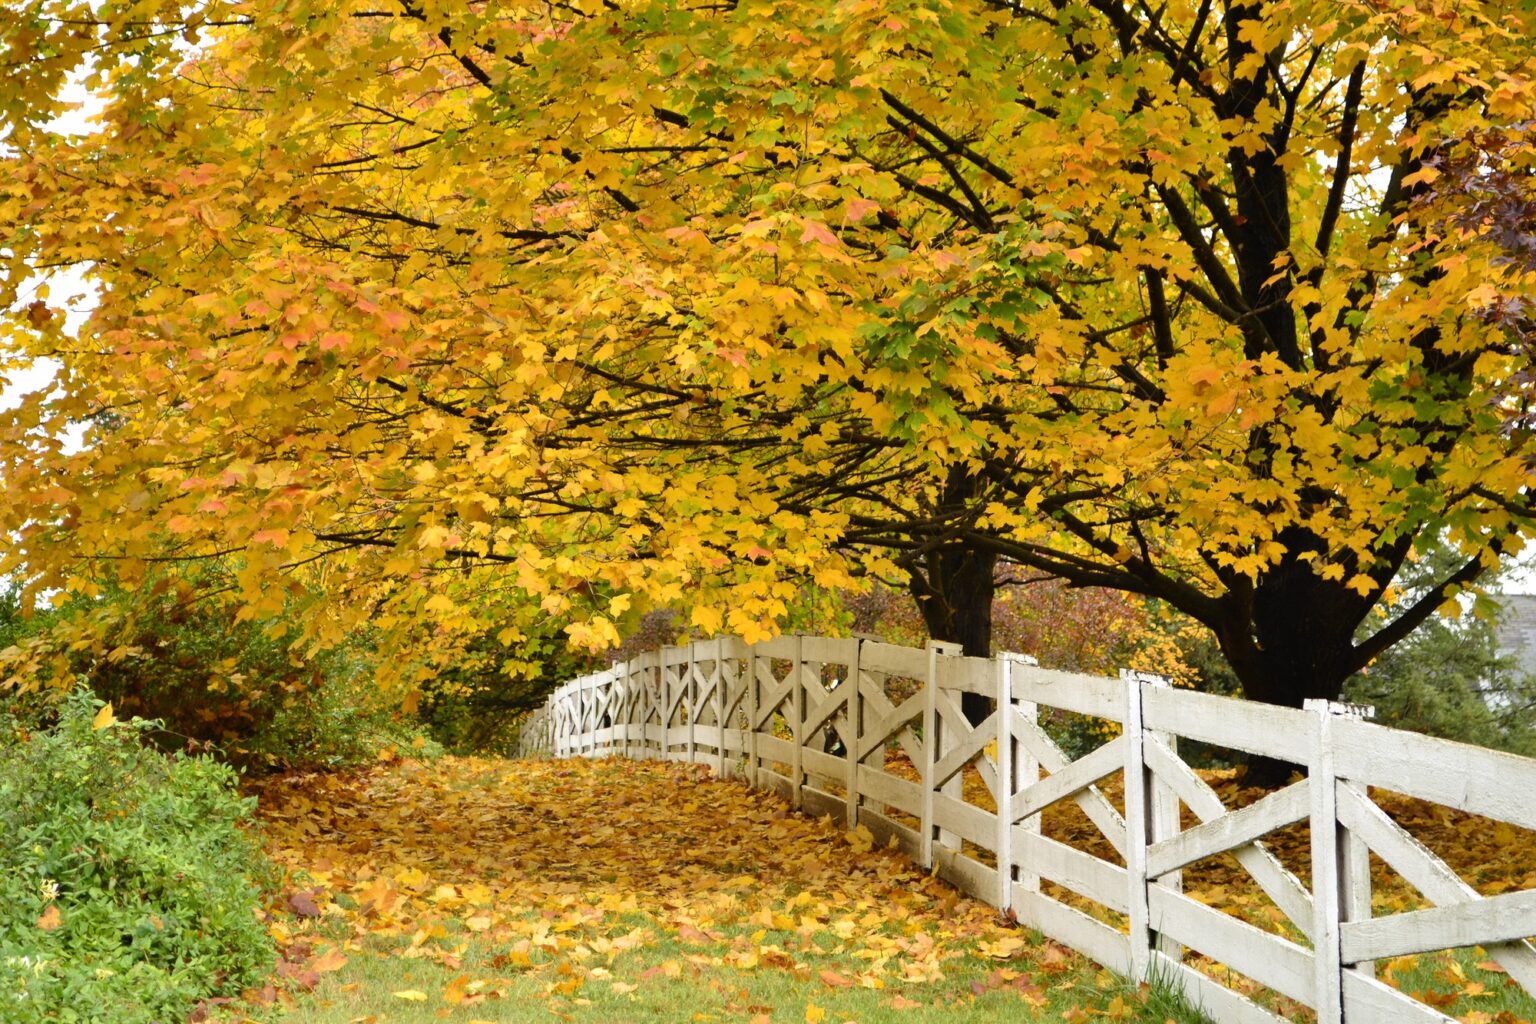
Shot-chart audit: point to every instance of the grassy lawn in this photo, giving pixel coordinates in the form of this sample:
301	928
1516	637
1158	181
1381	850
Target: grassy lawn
484	890
480	890
706	982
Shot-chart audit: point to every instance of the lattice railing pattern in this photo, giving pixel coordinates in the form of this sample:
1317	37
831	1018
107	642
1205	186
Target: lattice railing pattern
824	721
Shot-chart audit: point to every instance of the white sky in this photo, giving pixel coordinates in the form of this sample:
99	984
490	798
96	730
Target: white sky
70	289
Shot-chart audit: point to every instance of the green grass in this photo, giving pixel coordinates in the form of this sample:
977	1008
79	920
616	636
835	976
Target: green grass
664	980
1454	983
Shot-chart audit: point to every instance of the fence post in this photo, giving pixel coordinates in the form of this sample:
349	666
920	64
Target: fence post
593	715
1355	884
854	709
1006	783
665	753
656	681
1325	868
554	724
690	681
1163	817
589	716
721	684
797	725
1136	828
751	662
626	703
1338	861
931	731
1027	768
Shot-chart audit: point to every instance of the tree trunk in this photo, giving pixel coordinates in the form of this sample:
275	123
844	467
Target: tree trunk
954	595
1293	642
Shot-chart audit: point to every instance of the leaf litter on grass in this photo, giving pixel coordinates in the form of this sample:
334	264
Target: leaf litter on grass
462	888
595	886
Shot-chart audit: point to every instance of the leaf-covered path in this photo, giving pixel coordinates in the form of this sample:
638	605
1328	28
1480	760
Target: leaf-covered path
483	890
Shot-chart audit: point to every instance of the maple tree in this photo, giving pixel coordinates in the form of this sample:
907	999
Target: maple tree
485	314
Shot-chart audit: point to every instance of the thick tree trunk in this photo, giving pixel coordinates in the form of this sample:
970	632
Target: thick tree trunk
1292	640
954	595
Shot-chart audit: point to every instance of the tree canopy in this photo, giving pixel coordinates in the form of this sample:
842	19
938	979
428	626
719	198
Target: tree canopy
503	311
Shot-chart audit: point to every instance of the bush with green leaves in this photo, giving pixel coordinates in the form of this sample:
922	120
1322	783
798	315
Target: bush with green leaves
169	650
128	889
1448	679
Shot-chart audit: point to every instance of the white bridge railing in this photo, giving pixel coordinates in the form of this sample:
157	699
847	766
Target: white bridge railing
813	717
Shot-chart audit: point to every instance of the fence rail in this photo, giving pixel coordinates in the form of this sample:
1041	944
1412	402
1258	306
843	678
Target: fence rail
813	718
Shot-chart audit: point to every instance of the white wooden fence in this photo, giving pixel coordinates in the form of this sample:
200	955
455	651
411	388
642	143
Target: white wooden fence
768	713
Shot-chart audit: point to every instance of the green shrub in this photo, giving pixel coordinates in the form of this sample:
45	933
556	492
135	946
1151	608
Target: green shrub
1448	679
126	883
170	651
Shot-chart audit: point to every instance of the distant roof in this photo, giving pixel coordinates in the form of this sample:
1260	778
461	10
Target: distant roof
1516	632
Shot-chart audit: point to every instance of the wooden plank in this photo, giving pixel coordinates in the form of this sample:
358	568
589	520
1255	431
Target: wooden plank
970	876
720	678
774	696
819	709
967	675
878	731
754	766
1231	830
885	829
951	729
1257	728
879	787
851	739
1050	757
818	803
892	660
1472	779
1215	1001
1071	778
1273	877
1425	872
1081	872
1137	839
772	748
1324	839
796	718
1006	784
825	650
1354	882
1368	1001
1266	958
1027	773
1073	928
930	755
781	648
1506	917
966	821
1096	696
734	742
967	748
823	765
773	782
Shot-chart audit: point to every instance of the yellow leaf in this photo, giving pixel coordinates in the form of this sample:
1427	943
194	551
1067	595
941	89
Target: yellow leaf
104	717
814	1014
328	962
410	995
455	991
